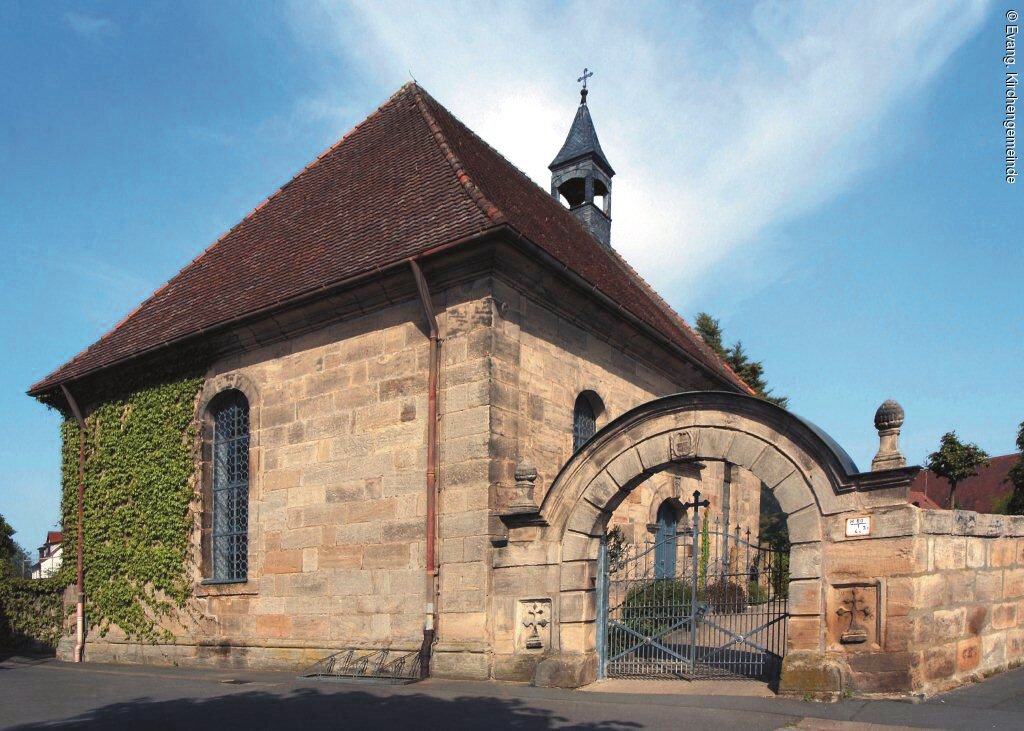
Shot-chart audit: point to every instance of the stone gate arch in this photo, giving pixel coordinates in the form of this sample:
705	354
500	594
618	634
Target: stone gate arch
809	474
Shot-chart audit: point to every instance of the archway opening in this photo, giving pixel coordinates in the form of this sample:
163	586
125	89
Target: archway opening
806	471
686	588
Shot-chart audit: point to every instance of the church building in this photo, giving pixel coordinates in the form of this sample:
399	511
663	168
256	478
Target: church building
416	415
401	349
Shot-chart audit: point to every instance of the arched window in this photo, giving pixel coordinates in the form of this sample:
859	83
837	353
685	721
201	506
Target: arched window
665	547
229	538
584	419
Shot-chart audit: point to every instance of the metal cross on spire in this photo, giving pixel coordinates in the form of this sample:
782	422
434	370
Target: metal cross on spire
587	73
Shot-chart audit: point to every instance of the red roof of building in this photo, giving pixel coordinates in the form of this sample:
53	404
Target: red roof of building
409	178
982	493
54	536
922	501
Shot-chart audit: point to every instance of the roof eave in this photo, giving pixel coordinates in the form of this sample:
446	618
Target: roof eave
50	384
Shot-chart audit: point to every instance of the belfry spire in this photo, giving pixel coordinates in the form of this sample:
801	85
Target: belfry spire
581	174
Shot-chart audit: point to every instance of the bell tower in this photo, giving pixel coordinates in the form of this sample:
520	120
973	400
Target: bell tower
581	175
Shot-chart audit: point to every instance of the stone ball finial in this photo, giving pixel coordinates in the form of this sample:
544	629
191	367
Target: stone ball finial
888	420
889	416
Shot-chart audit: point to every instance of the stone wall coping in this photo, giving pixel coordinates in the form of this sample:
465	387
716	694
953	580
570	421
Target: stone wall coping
970	523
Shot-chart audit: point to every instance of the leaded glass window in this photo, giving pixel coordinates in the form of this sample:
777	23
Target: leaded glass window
230	535
584	422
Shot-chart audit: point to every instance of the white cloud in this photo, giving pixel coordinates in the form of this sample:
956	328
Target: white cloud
91	27
720	124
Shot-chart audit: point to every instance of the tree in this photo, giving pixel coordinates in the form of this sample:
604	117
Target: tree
12	556
956	461
773	528
1016	478
751	371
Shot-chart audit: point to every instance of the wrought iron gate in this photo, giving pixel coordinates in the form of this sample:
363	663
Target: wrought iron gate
717	609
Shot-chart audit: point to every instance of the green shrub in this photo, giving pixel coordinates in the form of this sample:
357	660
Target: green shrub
653	607
725	595
756	594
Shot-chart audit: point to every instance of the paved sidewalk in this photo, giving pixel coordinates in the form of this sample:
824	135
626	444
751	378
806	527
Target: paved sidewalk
36	694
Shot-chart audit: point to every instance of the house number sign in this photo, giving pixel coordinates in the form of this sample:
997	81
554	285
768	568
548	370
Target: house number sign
858	526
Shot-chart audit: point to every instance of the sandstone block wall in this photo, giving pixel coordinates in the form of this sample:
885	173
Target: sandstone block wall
542	358
930	600
337	490
968	613
337	496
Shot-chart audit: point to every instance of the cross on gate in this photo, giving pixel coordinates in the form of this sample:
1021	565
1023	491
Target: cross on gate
696	503
587	73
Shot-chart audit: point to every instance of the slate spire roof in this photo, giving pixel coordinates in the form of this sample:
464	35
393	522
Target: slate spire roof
582	140
408	179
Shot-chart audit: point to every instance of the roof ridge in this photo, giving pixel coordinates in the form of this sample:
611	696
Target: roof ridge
613	255
262	204
675	316
497	152
461	173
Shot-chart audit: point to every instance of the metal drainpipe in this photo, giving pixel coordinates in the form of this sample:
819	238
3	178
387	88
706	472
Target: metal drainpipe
430	621
79	567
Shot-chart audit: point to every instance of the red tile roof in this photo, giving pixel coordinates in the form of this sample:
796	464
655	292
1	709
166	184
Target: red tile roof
54	536
409	178
921	500
982	493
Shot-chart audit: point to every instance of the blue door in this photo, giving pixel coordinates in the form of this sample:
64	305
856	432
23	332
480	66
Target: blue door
665	547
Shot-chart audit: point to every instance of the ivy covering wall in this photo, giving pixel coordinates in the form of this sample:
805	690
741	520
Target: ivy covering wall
140	474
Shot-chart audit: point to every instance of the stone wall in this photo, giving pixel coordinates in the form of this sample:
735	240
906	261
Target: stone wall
928	601
337	495
542	358
337	480
968	612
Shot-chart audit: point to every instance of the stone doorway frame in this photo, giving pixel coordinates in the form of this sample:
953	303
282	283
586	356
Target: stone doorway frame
809	474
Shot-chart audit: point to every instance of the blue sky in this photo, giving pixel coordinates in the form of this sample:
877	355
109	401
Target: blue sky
825	178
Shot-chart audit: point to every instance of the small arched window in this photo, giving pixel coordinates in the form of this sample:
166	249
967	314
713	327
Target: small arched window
584	419
229	536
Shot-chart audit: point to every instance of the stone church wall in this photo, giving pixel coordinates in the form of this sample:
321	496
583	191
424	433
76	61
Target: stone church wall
542	359
337	495
337	482
547	358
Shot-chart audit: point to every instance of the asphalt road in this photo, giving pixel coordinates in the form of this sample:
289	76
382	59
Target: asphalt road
37	694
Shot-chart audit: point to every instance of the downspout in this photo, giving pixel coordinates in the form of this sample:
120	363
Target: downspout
430	609
79	566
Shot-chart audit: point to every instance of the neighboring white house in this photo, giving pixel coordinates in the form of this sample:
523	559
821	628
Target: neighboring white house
50	554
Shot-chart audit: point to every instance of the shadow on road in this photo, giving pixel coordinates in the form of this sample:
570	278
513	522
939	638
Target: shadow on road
310	708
